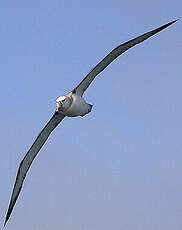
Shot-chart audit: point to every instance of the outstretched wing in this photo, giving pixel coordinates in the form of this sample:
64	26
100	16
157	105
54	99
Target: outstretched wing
84	84
29	157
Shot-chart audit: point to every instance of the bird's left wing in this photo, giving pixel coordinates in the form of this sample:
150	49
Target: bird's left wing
84	84
29	157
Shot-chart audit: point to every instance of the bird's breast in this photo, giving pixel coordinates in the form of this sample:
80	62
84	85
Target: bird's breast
78	107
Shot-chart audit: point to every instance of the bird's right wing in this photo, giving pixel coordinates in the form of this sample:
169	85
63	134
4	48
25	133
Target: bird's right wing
29	157
84	84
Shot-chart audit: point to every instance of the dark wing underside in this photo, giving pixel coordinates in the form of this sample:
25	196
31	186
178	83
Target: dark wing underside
29	157
84	84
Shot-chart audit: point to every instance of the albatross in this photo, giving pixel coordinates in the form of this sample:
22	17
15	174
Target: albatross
71	105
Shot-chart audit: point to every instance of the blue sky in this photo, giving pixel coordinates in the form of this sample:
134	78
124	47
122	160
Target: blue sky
118	167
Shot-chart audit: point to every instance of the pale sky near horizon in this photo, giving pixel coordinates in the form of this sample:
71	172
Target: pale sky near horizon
119	167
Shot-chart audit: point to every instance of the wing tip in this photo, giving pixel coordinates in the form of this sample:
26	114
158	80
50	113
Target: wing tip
10	208
8	214
166	25
5	223
173	21
6	220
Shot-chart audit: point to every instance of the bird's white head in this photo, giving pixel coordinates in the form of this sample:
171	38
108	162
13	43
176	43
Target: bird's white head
63	103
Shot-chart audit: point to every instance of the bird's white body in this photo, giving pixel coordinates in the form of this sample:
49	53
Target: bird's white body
72	105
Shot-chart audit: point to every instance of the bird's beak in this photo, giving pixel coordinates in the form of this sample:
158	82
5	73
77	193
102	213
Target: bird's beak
59	105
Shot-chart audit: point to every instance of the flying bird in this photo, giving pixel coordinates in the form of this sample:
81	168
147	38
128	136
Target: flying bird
71	105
